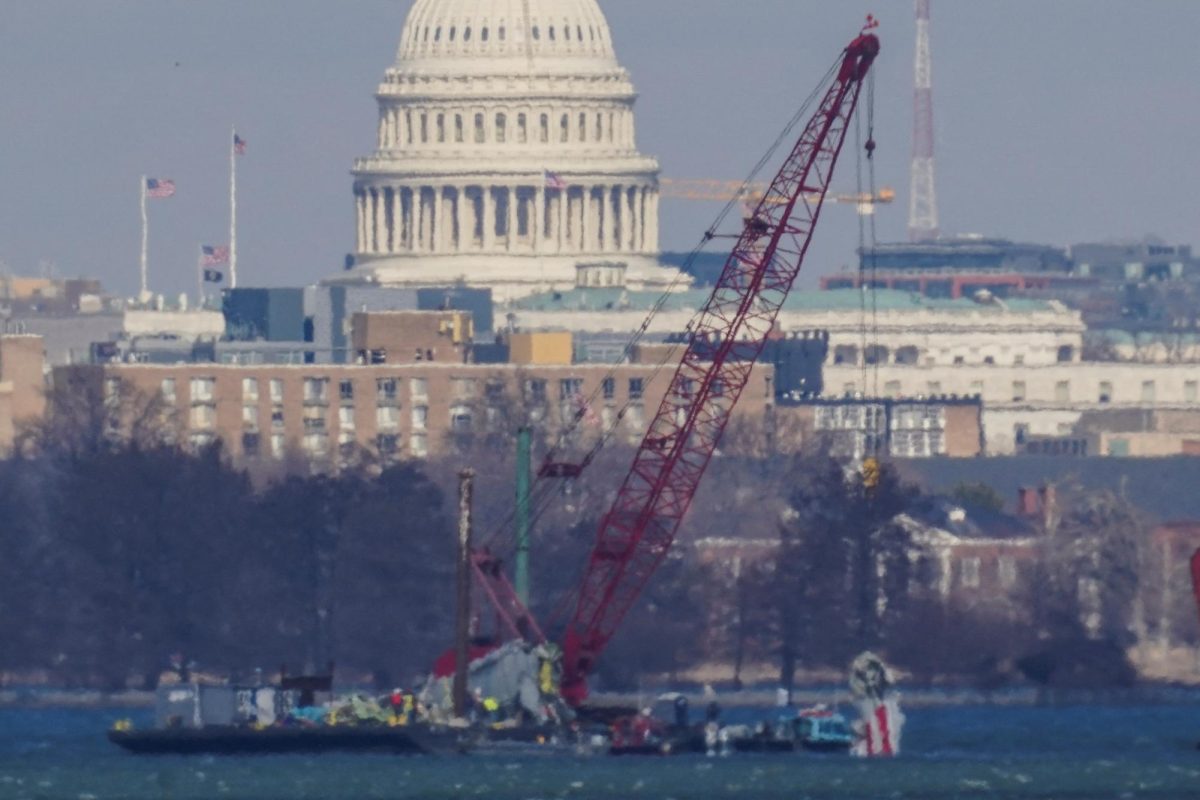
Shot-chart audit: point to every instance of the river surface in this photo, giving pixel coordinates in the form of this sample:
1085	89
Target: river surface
1085	752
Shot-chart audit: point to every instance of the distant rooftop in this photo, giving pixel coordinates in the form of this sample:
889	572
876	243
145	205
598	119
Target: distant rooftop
615	299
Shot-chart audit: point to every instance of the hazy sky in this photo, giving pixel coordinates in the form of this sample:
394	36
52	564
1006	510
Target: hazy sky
1057	120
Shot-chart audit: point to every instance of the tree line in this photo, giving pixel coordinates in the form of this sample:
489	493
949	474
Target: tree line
122	548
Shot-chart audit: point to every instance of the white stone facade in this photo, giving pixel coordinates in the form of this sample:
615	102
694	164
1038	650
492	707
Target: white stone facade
1045	400
506	154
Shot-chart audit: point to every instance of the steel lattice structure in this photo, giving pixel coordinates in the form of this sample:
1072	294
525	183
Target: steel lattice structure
722	348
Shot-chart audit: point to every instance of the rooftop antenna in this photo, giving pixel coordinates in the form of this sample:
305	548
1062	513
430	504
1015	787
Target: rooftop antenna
922	208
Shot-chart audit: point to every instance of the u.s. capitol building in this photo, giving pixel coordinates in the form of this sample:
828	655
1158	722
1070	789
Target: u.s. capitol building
507	156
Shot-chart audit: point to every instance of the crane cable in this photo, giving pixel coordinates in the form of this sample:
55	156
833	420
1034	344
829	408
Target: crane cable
709	235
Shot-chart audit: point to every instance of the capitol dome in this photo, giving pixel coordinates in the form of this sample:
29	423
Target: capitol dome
506	156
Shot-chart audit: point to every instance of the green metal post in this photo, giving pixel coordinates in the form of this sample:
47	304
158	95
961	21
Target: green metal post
521	579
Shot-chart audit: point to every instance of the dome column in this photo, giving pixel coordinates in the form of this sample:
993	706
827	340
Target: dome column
397	220
489	220
460	219
380	221
511	222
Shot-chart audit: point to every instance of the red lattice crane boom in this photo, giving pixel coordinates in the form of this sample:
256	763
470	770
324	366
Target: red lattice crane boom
723	345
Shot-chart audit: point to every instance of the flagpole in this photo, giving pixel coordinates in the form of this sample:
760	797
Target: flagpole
145	242
233	209
200	278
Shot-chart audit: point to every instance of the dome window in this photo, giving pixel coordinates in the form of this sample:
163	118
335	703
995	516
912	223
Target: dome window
427	34
502	33
552	33
537	33
483	34
467	35
592	31
544	136
479	132
567	32
579	32
522	129
565	134
437	35
501	128
453	30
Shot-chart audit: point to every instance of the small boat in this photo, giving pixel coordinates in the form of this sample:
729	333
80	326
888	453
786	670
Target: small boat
817	729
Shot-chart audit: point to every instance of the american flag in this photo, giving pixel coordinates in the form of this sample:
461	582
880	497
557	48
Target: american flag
239	145
159	188
555	181
211	256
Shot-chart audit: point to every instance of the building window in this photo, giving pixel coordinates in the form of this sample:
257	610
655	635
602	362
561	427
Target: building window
636	388
250	417
387	417
1148	391
933	388
420	418
203	390
388	445
522	129
250	445
346	390
1006	569
460	419
1018	391
610	388
316	390
570	388
536	390
346	418
250	390
1062	392
635	420
316	444
892	388
544	129
276	390
1106	392
1066	354
203	416
458	128
970	572
199	441
347	445
278	445
168	390
479	131
418	387
463	387
1021	433
582	127
314	419
564	134
387	390
501	128
418	446
441	128
1189	391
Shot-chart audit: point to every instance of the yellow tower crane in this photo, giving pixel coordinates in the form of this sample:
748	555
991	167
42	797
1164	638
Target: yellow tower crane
752	193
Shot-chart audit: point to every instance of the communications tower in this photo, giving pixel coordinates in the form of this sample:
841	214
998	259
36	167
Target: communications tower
922	208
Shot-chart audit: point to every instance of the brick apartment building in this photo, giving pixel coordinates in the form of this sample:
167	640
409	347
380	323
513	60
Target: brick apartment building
22	377
413	385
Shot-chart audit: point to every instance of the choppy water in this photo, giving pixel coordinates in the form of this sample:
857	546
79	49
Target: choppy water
1092	753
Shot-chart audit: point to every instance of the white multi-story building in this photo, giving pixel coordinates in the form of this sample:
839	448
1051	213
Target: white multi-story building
506	156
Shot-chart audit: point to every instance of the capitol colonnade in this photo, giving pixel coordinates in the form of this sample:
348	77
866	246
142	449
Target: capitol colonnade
513	218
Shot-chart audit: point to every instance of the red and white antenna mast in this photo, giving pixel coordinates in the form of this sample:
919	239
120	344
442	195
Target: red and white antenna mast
922	206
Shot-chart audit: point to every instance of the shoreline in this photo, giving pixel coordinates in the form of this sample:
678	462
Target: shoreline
912	697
